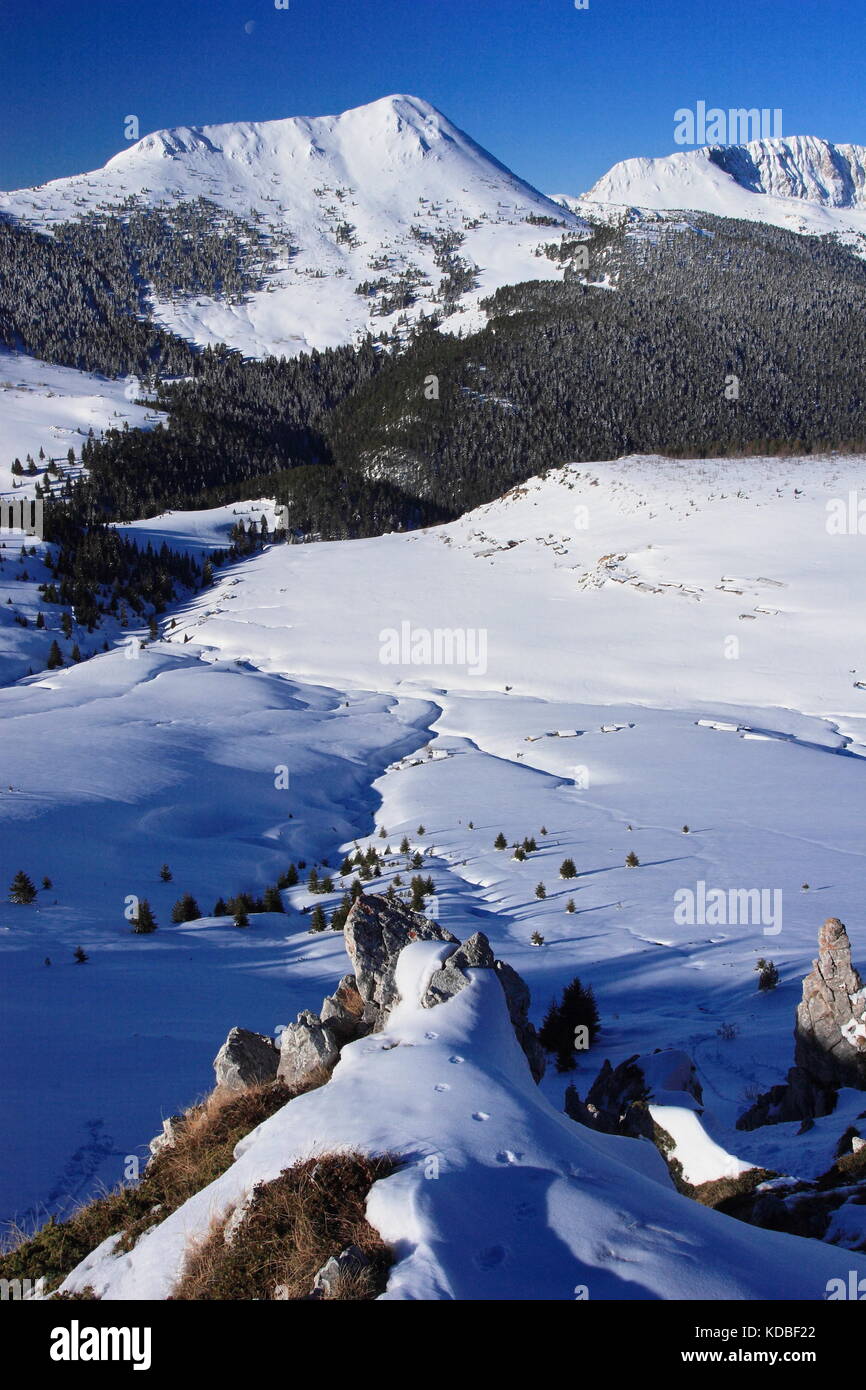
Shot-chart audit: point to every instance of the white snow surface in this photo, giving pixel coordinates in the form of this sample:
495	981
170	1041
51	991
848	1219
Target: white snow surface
502	1197
612	709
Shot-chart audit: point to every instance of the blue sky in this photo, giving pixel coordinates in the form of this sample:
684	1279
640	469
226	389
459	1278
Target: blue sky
556	93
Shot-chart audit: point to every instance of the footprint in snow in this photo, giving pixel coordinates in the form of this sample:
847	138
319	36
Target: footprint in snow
492	1257
480	1115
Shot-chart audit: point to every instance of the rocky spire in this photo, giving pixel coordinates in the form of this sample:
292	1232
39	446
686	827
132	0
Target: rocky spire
830	1034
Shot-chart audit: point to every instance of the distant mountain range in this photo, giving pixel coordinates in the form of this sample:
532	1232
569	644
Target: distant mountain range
801	183
363	222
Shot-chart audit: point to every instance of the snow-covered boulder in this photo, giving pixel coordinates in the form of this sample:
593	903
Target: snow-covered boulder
451	977
376	931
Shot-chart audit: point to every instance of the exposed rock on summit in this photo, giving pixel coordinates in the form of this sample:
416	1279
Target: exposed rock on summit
376	931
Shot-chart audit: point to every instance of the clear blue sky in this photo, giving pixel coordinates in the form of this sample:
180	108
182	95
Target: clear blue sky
556	93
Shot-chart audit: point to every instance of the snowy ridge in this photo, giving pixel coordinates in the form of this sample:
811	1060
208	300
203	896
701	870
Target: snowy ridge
802	183
519	1201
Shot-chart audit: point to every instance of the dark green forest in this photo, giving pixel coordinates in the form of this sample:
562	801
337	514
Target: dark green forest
703	337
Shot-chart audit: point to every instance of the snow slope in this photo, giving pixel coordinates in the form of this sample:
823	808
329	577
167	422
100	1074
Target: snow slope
54	408
385	168
802	183
502	1198
611	707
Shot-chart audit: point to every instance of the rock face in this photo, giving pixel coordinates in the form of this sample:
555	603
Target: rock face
829	1038
245	1059
376	931
830	1034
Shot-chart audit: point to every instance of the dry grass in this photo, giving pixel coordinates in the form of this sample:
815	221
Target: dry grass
204	1149
290	1228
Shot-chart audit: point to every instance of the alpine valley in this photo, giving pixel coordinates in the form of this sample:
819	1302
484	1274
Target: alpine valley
444	601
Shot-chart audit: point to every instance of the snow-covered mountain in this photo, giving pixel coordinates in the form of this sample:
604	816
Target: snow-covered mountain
800	182
371	195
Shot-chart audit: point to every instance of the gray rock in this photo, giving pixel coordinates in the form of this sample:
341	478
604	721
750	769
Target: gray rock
245	1059
451	977
168	1138
830	1033
351	1262
376	931
344	1011
829	1038
306	1046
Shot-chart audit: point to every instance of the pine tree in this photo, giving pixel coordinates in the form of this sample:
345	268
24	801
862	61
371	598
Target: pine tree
54	657
421	830
404	845
567	869
540	890
145	922
631	860
500	842
313	881
219	908
165	874
768	974
80	955
536	939
47	883
318	920
569	906
22	889
271	900
241	918
577	1008
186	909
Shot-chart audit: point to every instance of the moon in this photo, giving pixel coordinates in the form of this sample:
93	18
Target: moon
249	26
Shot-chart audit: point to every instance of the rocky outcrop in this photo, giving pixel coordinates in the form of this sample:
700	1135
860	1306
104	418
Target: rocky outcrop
305	1046
830	1033
376	931
245	1059
476	952
829	1038
617	1101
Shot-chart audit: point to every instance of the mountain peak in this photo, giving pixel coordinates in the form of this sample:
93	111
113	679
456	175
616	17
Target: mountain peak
798	167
